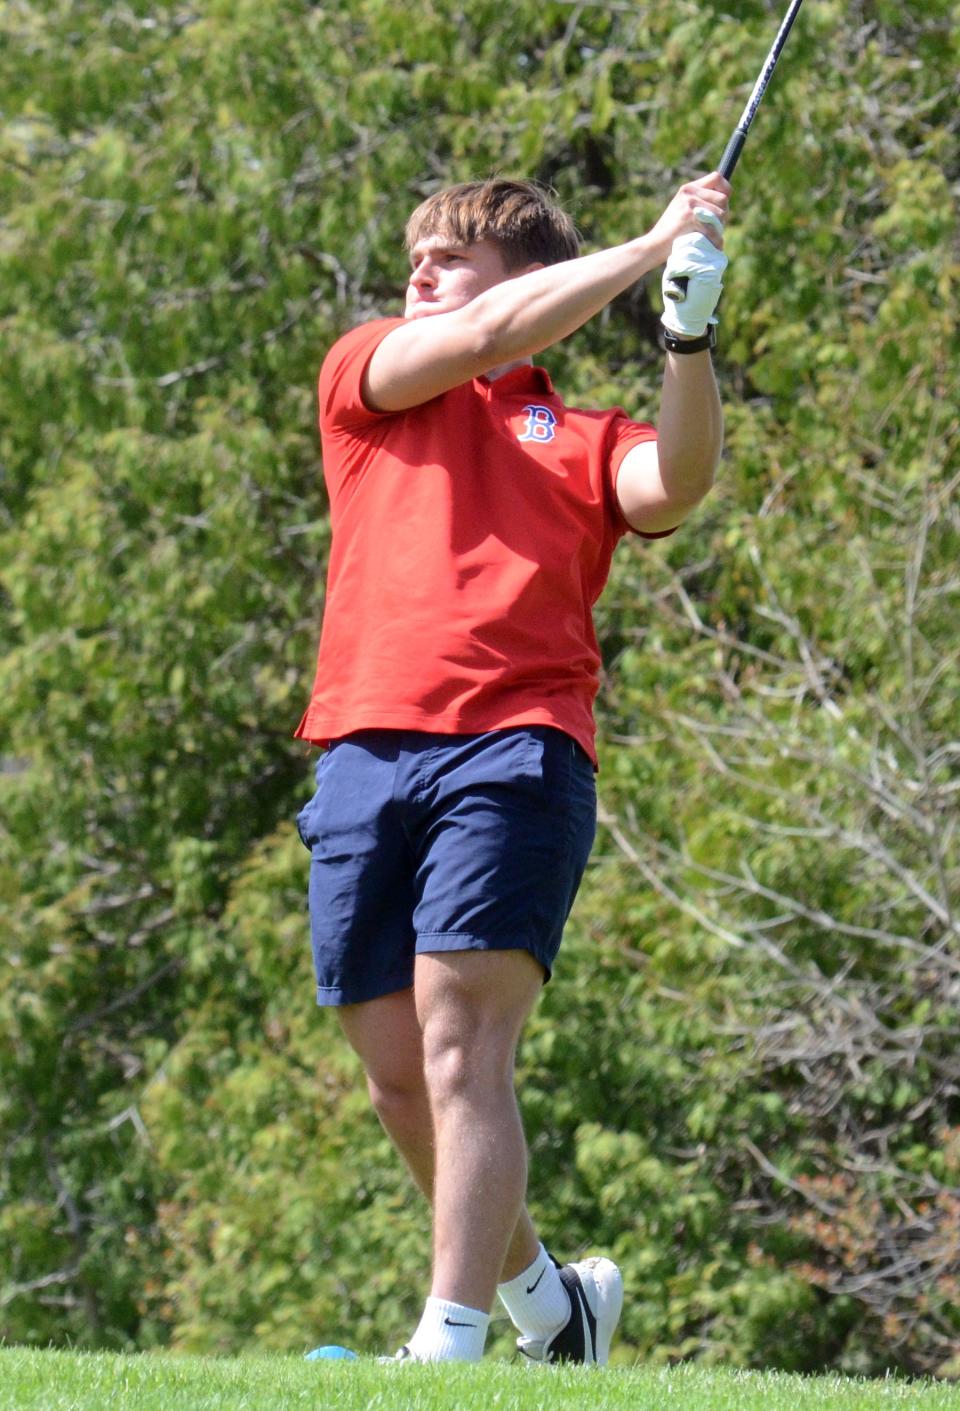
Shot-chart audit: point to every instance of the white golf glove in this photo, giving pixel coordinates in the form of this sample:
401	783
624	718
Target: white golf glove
692	281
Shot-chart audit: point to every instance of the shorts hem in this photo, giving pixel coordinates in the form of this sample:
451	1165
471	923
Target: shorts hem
442	942
329	996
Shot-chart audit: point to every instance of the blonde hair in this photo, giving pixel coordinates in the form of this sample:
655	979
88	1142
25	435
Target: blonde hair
520	217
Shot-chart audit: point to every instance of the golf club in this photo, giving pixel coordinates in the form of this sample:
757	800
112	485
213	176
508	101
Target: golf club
678	285
735	146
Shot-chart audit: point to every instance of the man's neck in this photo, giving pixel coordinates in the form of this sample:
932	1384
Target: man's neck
504	368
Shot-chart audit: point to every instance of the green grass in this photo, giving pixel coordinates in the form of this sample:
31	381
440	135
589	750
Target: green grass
64	1381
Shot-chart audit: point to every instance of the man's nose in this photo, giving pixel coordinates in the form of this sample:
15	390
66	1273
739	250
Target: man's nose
423	275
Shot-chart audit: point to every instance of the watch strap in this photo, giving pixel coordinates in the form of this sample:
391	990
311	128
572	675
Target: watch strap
672	344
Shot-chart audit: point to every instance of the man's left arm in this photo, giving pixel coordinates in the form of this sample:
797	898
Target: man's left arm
660	482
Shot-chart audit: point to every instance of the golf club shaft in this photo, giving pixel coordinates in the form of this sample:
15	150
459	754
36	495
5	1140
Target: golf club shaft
735	146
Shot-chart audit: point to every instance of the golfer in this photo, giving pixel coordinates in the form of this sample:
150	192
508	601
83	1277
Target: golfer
474	518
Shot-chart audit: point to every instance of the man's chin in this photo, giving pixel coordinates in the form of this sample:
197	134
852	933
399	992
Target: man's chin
422	311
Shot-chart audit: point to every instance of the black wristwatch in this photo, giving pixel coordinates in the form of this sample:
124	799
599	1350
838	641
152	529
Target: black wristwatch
672	344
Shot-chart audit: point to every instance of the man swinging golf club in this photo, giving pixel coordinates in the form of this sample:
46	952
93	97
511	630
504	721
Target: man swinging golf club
474	519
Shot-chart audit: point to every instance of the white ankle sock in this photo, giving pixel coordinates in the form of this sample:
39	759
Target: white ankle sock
449	1332
536	1299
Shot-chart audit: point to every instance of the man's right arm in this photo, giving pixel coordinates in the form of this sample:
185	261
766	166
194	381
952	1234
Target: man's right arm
522	316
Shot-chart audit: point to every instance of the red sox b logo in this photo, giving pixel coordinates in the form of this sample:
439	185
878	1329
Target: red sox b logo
541	422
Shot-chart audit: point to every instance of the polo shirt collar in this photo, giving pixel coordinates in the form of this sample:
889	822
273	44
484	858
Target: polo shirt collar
522	379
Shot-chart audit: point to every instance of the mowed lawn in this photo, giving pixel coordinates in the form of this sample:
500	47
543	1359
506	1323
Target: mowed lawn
63	1381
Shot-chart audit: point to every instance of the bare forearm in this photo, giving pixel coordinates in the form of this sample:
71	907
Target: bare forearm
689	427
522	316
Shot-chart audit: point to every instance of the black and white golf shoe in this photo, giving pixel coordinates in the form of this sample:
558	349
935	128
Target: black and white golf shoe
402	1355
595	1287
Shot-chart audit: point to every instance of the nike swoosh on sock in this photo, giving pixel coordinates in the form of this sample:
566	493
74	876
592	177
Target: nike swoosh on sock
537	1280
451	1324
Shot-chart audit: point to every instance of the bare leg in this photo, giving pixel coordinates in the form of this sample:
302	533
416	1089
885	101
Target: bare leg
386	1035
471	1006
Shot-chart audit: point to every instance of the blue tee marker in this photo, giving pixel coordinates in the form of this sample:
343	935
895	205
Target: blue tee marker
331	1351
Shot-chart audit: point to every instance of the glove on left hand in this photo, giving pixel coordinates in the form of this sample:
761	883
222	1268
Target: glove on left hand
688	306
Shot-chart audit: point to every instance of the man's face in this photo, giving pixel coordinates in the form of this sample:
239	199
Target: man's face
445	276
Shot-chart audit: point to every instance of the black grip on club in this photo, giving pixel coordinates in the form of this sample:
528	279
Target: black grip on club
732	154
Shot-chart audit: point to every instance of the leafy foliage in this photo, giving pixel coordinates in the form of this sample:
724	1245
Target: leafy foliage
743	1080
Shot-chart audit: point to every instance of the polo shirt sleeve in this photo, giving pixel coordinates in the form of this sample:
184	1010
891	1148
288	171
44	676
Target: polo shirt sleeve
623	435
341	377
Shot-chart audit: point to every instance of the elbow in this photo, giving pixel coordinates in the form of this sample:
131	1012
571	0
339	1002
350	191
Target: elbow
688	480
482	333
494	334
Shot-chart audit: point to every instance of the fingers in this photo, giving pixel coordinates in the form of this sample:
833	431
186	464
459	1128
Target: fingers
709	204
720	183
710	221
700	207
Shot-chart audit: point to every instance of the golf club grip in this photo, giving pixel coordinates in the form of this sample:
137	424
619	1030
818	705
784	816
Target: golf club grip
732	154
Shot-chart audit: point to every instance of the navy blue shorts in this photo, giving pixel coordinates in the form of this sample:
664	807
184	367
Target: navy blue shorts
426	842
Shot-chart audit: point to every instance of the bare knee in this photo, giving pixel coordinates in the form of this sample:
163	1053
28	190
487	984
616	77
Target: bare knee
385	1034
399	1099
458	1065
446	1072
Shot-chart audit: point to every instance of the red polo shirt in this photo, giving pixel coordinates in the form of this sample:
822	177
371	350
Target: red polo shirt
471	537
